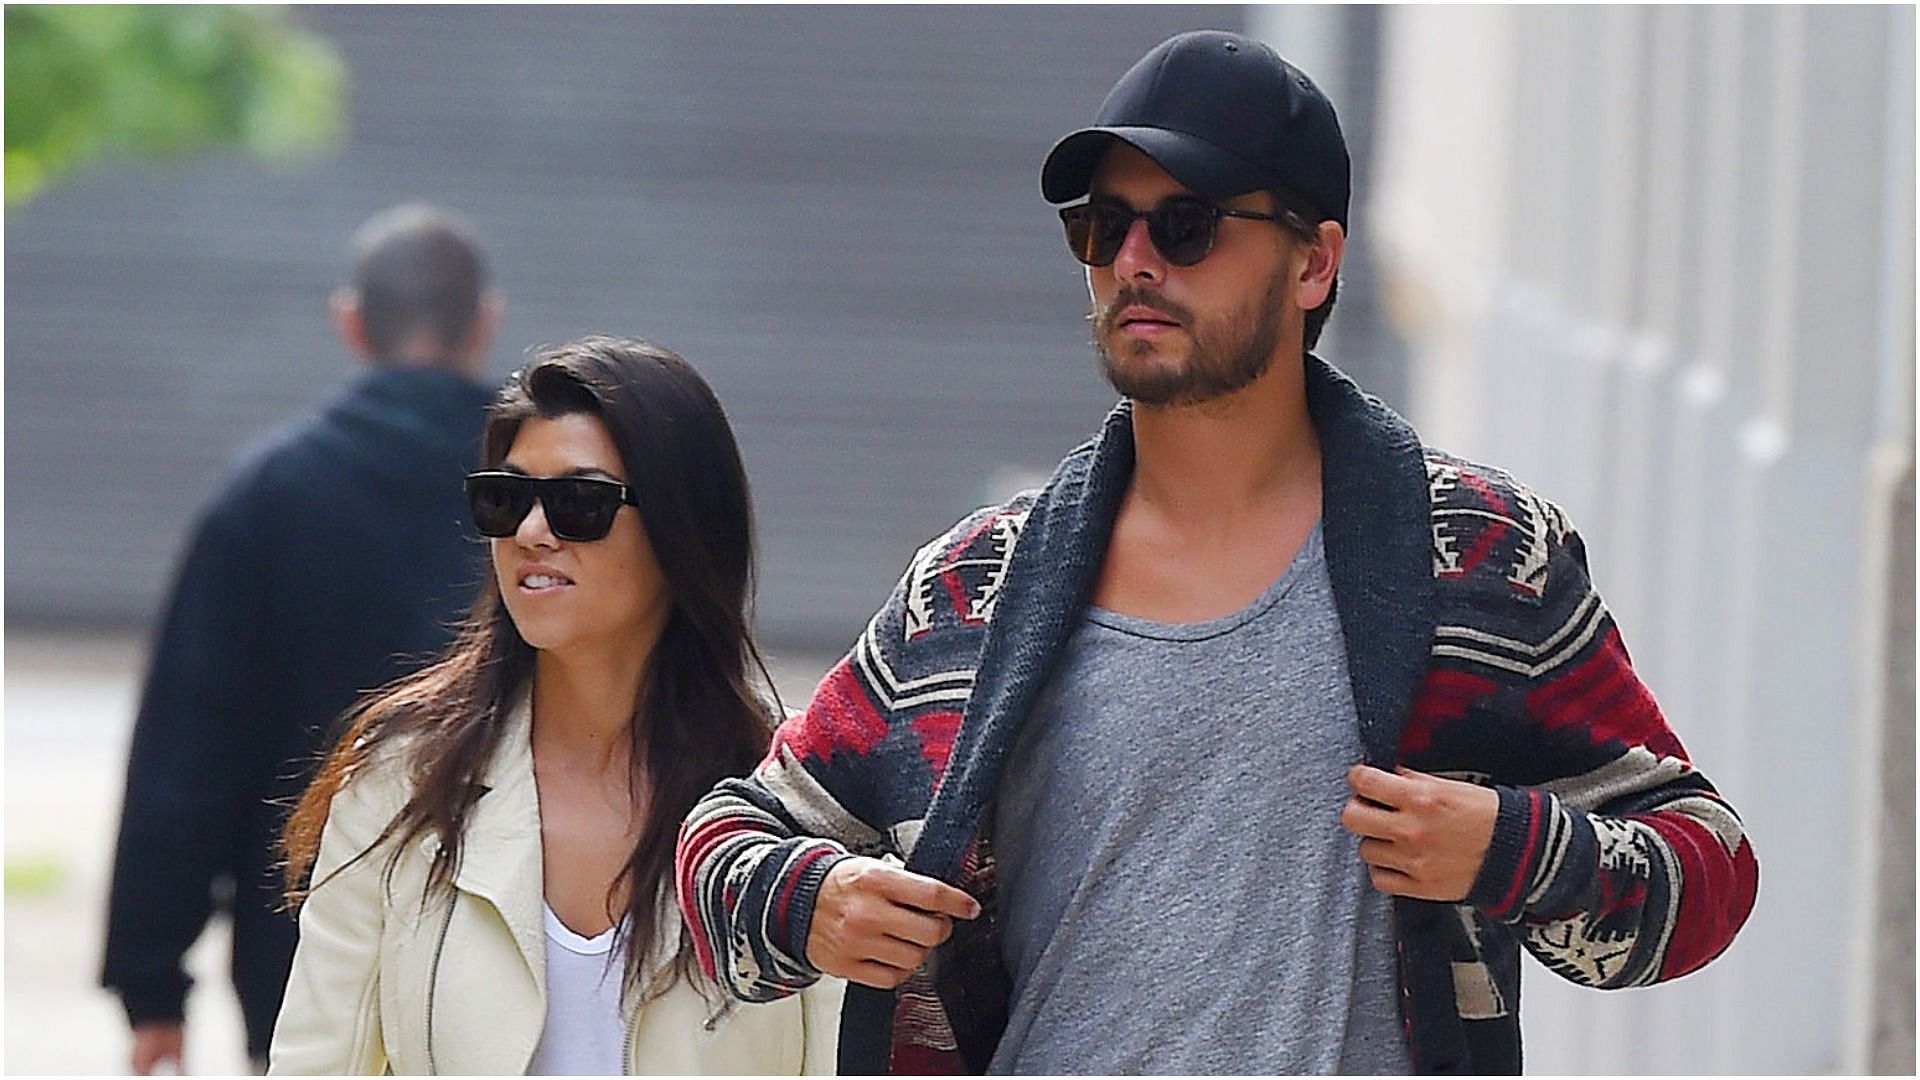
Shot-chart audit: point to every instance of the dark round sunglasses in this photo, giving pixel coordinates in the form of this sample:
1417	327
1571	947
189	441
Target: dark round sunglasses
1182	228
577	507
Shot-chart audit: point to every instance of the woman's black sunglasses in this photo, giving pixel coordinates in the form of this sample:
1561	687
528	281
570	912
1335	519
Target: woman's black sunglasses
1182	228
577	507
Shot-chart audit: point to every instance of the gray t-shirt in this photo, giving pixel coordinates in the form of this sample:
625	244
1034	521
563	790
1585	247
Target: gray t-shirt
1177	893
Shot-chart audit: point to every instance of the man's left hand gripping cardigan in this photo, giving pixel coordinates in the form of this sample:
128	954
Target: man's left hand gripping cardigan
1477	649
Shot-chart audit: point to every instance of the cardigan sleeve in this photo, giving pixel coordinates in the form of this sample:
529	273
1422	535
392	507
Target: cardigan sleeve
849	775
1619	864
755	850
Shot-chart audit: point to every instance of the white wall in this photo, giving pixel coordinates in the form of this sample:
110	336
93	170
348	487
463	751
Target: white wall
1658	262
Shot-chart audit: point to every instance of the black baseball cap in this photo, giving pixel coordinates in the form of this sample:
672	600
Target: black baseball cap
1224	115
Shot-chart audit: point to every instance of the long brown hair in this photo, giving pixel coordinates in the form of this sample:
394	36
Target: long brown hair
700	717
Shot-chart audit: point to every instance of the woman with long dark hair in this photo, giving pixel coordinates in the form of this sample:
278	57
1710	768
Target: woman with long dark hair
484	862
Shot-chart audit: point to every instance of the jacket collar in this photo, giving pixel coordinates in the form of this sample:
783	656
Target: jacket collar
1379	558
500	857
1049	577
500	846
1378	524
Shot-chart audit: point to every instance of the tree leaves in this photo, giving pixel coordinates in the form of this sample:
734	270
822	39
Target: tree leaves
83	82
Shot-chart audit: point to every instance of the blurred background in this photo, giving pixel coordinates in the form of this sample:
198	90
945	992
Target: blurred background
1657	262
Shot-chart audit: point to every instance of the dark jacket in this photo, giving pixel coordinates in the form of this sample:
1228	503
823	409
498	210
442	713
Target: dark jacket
336	557
1477	649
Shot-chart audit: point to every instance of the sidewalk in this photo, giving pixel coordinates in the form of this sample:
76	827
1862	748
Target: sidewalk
69	714
69	705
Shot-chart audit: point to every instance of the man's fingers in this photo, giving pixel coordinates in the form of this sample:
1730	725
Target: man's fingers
916	927
1391	882
876	975
1363	818
1384	855
156	1041
893	952
870	912
918	891
1395	883
1380	786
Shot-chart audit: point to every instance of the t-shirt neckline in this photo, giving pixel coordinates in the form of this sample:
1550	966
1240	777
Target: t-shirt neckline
1311	549
560	934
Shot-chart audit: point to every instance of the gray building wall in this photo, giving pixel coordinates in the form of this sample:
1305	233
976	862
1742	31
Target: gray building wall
1659	261
834	213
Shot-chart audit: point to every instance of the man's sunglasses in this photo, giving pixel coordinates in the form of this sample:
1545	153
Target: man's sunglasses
1182	228
577	507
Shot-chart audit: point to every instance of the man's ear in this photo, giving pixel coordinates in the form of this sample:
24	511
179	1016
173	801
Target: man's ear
486	321
344	306
1322	265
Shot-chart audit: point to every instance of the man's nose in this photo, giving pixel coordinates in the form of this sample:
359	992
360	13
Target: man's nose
1138	259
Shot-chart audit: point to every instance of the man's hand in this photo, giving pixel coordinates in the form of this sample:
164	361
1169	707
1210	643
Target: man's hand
1420	835
156	1042
874	923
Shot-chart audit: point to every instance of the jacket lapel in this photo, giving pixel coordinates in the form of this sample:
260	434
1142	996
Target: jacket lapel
1379	540
1379	556
1049	577
500	852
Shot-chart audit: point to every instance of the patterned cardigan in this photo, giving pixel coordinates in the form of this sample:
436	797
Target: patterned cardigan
1477	649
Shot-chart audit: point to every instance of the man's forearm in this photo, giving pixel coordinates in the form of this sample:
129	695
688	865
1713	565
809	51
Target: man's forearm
747	886
1624	899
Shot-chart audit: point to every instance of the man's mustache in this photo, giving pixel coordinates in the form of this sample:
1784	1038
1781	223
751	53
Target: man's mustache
1144	296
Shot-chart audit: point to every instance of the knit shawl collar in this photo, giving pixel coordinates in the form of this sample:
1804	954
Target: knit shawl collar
1375	522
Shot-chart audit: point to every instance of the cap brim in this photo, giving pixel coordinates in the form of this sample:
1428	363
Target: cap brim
1199	165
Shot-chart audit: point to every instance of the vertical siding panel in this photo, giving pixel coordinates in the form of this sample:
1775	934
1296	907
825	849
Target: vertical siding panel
1699	341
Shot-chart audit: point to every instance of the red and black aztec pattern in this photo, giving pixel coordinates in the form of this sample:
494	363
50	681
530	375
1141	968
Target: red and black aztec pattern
1530	686
1613	861
852	774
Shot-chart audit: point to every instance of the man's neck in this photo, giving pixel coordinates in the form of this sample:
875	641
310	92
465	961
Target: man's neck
437	361
1223	495
1221	459
424	349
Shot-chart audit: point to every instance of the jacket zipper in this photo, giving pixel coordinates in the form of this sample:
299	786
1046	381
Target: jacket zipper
433	978
627	1062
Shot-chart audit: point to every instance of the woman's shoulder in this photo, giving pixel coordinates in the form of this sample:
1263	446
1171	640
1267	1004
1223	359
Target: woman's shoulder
380	782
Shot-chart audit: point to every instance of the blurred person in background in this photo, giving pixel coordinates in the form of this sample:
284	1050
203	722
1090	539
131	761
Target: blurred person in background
491	841
334	558
1075	800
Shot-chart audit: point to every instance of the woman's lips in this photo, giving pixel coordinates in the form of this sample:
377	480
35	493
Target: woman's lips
541	579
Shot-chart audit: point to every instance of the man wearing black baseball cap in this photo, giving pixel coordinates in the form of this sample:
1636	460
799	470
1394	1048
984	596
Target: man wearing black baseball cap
1263	737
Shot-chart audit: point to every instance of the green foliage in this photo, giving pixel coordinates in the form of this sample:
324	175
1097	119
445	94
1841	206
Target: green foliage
35	875
160	81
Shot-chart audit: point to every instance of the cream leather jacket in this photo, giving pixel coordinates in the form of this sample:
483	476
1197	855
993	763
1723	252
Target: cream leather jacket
382	983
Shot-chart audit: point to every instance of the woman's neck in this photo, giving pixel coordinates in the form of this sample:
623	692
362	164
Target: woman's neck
583	710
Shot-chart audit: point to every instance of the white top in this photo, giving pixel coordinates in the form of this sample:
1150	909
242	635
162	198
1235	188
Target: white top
585	1034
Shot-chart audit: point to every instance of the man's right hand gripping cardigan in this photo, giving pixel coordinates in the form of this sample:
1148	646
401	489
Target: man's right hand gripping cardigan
1477	647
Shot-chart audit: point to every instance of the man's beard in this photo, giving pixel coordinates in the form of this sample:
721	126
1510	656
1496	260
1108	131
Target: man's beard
1224	356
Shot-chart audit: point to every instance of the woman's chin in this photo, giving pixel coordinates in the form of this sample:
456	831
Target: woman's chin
567	640
543	636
